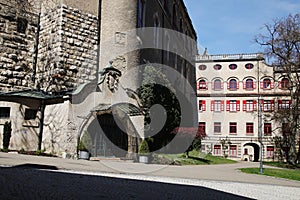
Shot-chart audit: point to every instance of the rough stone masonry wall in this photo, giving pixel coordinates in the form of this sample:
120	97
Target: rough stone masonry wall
17	33
68	49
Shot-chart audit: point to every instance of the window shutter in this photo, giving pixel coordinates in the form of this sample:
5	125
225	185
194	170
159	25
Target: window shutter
244	105
228	85
254	84
198	85
244	85
238	105
213	85
272	84
261	85
254	105
206	86
227	105
279	104
262	105
272	105
212	105
203	105
237	85
222	85
222	105
279	84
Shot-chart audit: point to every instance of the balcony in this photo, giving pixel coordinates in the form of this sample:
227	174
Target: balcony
256	56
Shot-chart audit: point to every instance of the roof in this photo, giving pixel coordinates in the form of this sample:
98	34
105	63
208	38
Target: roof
127	108
17	96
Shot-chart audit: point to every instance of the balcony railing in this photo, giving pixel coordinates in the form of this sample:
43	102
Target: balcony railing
229	57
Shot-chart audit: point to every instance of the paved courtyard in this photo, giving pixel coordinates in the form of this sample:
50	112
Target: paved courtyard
33	177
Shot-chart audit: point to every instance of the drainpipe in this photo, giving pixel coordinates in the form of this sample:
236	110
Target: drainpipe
43	106
98	40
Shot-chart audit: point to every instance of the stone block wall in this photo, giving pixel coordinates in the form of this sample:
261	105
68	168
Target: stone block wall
68	49
17	33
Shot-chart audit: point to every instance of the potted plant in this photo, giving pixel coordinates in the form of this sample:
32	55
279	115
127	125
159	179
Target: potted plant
84	146
144	152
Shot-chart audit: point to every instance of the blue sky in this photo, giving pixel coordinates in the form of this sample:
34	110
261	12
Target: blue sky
229	26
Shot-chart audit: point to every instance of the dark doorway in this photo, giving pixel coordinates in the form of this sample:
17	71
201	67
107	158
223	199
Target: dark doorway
256	151
108	138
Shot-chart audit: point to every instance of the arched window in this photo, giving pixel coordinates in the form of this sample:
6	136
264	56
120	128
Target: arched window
156	31
249	84
267	84
141	13
233	85
217	84
284	83
202	85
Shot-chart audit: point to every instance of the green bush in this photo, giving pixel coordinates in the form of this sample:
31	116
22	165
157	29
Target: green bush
85	143
144	148
6	135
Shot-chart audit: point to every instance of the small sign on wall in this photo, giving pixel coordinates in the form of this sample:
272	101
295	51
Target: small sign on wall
120	38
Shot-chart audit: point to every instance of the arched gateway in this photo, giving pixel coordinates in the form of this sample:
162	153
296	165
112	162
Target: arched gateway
112	130
251	152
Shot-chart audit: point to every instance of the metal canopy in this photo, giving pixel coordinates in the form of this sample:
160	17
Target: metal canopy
32	96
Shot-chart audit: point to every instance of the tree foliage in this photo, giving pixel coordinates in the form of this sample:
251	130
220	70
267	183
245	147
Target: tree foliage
156	89
281	41
6	135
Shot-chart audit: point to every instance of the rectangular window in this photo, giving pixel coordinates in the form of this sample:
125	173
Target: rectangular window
233	128
233	105
201	128
249	105
202	105
233	150
284	104
217	105
268	105
141	7
217	127
249	128
270	151
217	149
22	25
4	112
267	129
30	114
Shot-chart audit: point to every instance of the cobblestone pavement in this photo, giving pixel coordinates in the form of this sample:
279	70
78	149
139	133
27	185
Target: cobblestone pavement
33	177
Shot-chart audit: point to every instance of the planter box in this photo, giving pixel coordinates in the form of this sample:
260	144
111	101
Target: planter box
84	155
144	159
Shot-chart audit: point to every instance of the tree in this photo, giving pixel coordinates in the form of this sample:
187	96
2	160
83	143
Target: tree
188	133
6	135
156	89
282	45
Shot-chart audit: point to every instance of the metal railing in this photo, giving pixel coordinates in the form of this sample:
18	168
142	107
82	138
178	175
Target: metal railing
229	56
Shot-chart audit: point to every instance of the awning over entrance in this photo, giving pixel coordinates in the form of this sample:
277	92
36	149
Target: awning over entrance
126	108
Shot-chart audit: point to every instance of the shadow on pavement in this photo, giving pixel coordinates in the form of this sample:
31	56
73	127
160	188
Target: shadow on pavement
200	159
36	166
28	182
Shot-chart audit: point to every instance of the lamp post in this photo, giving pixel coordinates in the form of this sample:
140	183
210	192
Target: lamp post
260	135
